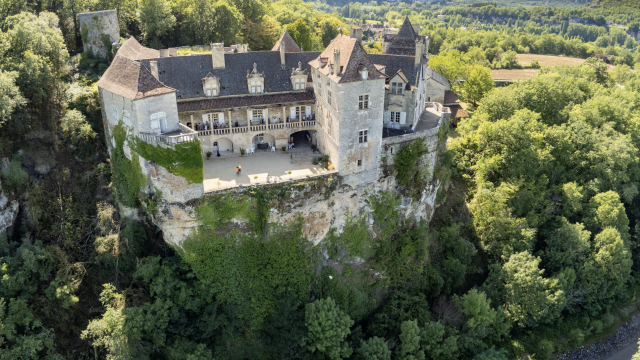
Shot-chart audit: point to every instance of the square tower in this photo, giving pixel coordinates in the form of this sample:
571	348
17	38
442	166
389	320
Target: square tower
350	101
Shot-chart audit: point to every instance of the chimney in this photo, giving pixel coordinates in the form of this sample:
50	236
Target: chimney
416	28
217	55
282	60
419	46
336	61
164	53
356	33
154	69
173	51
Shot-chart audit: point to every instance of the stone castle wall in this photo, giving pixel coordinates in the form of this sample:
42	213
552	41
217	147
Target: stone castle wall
94	26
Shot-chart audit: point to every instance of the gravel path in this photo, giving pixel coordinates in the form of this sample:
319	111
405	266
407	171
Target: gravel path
607	349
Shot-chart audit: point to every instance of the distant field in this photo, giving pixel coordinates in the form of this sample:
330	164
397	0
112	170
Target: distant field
548	60
516	74
526	60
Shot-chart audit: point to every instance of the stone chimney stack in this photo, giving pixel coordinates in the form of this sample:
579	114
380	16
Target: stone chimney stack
356	33
419	53
154	69
282	58
164	53
336	61
217	55
416	28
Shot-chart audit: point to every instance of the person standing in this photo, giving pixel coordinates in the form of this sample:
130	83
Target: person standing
237	171
218	152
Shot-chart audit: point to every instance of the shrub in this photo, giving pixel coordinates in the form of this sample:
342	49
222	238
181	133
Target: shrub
313	146
315	161
325	158
13	174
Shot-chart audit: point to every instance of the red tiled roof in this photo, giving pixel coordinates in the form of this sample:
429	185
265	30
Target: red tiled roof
244	101
131	49
289	44
352	59
129	79
457	112
450	97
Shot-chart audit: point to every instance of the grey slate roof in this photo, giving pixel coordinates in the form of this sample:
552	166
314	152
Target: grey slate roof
404	43
185	73
394	63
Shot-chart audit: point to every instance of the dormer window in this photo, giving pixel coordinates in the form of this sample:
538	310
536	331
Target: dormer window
364	73
211	85
256	87
255	81
396	88
299	77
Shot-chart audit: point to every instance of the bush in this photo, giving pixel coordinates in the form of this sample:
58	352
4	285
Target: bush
596	326
315	161
325	159
313	146
13	174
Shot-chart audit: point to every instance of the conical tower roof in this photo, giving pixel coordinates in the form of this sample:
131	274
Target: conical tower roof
404	43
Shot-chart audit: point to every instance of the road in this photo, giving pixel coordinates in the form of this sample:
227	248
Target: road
625	353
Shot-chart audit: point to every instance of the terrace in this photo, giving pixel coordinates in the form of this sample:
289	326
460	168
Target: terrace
219	172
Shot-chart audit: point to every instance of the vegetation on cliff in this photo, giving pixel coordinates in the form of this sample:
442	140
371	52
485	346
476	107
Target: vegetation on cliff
532	251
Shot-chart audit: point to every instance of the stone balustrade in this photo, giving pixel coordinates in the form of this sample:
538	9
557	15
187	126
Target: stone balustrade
184	135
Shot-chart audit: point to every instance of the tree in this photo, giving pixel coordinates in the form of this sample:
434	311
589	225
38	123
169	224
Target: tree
155	20
529	298
476	307
606	272
209	22
75	127
478	82
329	29
328	328
374	349
567	246
10	96
410	341
606	210
435	345
108	331
34	48
301	34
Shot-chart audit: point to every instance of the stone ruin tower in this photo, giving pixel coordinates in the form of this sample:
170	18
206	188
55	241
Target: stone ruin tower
99	31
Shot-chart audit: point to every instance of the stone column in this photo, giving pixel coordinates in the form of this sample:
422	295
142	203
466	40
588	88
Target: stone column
191	122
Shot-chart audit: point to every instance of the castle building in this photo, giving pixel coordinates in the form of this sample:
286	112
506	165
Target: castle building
342	99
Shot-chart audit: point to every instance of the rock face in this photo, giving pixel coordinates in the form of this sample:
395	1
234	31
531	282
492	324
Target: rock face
324	203
8	212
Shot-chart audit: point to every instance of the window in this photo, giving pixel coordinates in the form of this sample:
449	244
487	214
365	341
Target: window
359	162
256	87
396	88
363	102
362	136
159	121
392	150
211	89
215	143
213	118
329	121
126	119
300	84
329	96
395	116
115	112
256	114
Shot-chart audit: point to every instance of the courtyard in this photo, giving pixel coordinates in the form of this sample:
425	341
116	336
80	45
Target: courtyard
219	172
